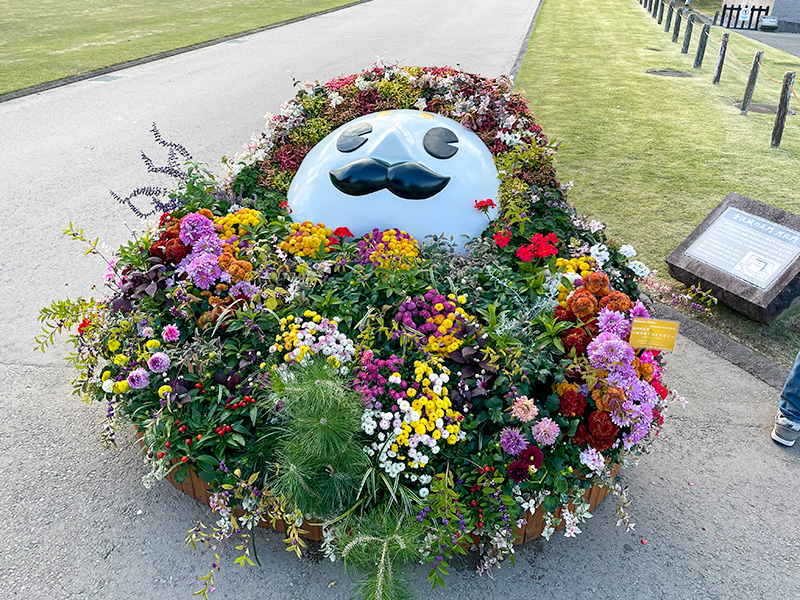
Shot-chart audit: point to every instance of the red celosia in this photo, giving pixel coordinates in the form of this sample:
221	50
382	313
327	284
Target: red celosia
564	315
576	338
175	250
602	431
580	435
572	404
501	238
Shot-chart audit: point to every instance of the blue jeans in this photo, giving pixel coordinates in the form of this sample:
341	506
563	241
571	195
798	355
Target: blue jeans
790	396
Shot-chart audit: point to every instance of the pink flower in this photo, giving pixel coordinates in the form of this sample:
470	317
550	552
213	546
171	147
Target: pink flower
171	333
546	432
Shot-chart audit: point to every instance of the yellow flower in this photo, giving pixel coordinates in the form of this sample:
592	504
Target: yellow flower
120	359
105	375
411	392
120	387
151	344
164	390
113	345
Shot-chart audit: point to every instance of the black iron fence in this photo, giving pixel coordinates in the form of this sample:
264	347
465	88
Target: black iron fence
742	17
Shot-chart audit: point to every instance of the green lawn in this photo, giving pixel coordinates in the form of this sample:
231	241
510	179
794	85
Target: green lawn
43	40
652	155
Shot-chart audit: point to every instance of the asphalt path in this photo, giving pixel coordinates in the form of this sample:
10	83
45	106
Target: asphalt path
716	501
788	42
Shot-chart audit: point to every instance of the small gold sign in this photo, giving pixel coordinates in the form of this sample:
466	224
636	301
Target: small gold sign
654	334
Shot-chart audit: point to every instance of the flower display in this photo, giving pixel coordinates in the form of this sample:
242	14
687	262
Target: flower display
392	388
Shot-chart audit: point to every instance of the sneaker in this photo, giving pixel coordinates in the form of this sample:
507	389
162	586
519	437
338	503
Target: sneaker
785	431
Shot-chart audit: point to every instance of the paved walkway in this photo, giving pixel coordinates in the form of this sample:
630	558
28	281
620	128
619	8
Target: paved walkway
716	500
788	42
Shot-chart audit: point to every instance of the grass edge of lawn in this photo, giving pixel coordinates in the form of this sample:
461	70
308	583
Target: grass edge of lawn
61	81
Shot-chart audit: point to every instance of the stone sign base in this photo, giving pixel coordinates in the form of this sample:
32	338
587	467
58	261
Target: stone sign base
747	253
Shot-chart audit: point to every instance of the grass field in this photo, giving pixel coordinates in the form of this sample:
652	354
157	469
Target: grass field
653	155
44	40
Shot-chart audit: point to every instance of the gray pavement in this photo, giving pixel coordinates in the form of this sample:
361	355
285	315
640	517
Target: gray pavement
78	522
788	42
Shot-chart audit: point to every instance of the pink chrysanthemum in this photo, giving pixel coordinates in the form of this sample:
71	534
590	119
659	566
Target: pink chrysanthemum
139	379
546	432
524	409
171	333
159	362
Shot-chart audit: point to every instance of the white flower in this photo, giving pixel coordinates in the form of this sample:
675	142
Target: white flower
595	226
107	385
599	252
639	268
627	251
593	459
423	492
421	104
335	98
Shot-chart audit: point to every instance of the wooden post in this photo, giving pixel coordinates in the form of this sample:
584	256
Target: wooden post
670	12
687	35
783	109
677	29
751	82
655	8
716	16
701	46
660	12
723	47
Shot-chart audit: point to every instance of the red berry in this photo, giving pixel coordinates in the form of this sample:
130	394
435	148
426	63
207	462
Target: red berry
202	391
166	445
473	503
160	455
227	428
199	437
492	469
198	385
252	400
227	405
188	441
184	459
247	398
177	421
182	428
480	523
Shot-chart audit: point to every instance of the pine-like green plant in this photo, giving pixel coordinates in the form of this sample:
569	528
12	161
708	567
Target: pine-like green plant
379	545
321	463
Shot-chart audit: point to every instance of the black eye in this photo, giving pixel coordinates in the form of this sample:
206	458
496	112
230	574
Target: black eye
353	137
437	142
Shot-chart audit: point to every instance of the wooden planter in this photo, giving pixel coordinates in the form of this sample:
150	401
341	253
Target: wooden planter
197	489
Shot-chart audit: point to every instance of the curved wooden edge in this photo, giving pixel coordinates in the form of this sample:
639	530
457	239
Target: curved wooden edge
199	490
535	523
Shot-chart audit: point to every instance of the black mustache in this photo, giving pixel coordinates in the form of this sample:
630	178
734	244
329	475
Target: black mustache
408	180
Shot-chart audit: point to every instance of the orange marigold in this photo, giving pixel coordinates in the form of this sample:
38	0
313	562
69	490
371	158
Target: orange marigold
644	370
597	283
616	301
582	303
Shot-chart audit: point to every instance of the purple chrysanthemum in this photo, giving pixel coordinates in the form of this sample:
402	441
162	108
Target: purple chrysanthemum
243	289
640	311
614	322
545	432
608	351
159	362
623	377
195	227
171	333
204	271
623	415
139	379
512	441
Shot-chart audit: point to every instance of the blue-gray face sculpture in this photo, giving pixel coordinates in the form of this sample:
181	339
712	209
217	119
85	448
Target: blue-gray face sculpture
416	171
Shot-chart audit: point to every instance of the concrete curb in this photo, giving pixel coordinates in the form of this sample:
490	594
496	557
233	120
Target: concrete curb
49	85
723	346
524	49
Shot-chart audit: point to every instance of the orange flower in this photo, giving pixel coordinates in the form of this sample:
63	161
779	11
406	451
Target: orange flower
582	303
616	301
644	370
597	283
611	399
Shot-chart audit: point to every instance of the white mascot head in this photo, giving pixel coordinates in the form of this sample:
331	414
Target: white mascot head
416	171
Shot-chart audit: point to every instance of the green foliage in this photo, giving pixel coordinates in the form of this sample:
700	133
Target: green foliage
320	460
379	546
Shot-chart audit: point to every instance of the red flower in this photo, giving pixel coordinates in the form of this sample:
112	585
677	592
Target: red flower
285	204
580	435
501	238
660	389
485	205
175	250
84	324
342	232
576	338
525	253
572	404
602	431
